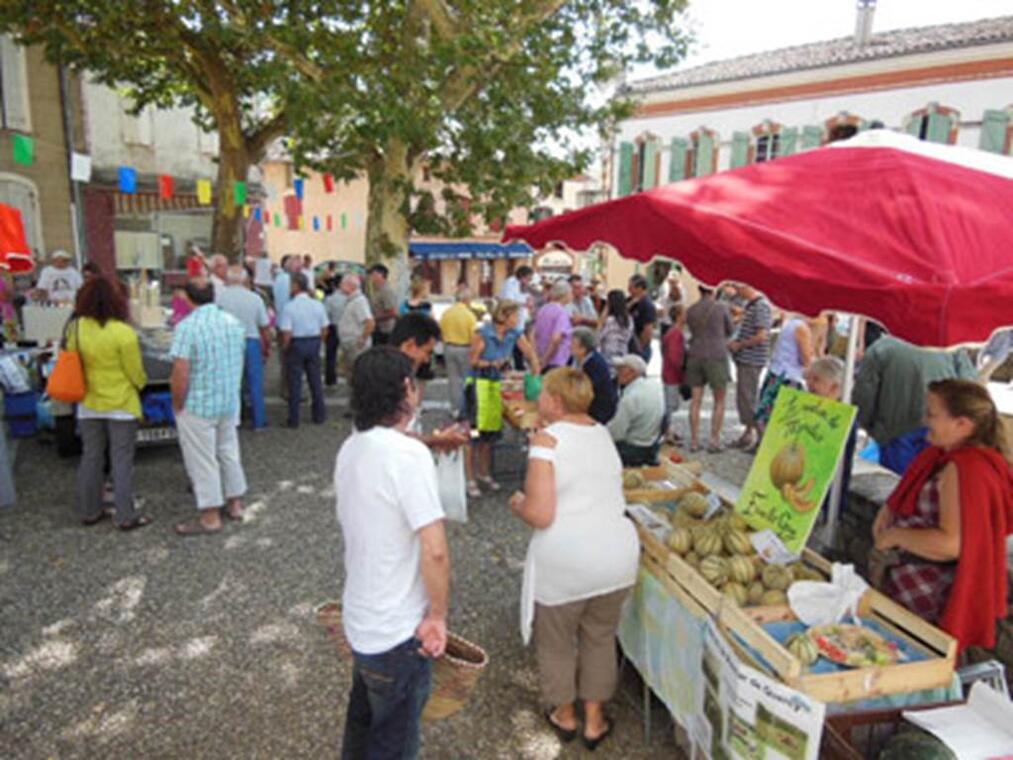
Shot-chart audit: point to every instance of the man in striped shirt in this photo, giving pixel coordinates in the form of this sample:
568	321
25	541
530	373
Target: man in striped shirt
750	349
207	369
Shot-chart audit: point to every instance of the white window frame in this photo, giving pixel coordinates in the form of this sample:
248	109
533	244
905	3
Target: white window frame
9	47
38	245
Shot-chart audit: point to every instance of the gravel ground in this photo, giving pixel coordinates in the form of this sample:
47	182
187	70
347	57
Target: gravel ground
148	645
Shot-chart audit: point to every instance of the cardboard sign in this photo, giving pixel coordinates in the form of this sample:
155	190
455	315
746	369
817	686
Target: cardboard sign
795	465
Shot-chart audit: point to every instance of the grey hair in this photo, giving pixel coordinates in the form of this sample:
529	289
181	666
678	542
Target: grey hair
829	368
560	290
236	275
463	293
587	337
218	259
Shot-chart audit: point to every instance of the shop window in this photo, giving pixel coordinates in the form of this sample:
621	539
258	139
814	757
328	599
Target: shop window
14	105
934	123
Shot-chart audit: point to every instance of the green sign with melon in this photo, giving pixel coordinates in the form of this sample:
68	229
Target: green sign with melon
795	465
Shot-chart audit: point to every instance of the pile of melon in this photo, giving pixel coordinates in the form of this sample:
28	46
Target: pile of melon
720	550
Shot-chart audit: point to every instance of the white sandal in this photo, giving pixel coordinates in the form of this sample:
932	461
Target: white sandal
489	483
473	490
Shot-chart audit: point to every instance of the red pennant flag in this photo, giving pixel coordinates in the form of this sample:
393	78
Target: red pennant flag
165	187
328	183
330	223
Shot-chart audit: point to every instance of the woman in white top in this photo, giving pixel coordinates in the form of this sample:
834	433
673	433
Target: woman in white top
583	556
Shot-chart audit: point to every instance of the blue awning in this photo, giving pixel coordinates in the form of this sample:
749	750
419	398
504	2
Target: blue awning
464	249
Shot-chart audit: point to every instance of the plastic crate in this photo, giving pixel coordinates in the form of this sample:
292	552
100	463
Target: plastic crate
20	404
22	427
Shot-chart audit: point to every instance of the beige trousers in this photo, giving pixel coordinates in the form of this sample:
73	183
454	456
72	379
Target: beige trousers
575	645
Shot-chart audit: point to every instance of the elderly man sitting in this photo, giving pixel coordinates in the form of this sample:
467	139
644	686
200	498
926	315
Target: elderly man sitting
586	357
637	425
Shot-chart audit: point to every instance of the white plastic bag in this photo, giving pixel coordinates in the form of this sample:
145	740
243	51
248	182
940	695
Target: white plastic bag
817	603
451	483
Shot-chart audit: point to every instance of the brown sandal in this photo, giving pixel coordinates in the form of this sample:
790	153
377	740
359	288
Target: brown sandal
195	528
138	522
104	514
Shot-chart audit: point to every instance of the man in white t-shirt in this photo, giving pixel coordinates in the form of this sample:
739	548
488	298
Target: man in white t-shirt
397	565
59	282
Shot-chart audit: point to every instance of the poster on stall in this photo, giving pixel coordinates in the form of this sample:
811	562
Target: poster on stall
749	716
795	465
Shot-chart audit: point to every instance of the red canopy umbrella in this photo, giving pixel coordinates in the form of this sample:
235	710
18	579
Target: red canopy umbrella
15	255
881	226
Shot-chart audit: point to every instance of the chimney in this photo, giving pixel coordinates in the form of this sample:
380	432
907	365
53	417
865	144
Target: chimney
863	22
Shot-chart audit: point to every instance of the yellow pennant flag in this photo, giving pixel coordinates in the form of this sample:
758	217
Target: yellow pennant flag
204	192
302	222
246	212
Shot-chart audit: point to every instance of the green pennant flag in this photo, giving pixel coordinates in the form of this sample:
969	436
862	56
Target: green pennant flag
239	190
24	149
277	219
344	220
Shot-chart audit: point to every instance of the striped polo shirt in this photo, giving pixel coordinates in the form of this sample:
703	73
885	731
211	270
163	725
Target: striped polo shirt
756	316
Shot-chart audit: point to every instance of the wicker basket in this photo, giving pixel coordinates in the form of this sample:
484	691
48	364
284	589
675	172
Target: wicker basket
454	674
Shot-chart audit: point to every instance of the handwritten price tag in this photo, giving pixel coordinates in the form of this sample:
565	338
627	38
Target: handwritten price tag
772	549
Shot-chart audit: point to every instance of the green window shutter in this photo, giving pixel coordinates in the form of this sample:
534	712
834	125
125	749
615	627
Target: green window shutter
740	149
677	159
703	160
625	169
789	137
812	136
994	125
650	170
939	128
914	127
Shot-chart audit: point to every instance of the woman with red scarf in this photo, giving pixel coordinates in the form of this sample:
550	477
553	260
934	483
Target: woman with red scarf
950	515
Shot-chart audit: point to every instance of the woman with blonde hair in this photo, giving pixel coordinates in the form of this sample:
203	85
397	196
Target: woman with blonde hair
492	348
949	517
582	559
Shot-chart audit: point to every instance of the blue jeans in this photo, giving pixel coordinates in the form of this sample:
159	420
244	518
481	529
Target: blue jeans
304	356
253	377
389	692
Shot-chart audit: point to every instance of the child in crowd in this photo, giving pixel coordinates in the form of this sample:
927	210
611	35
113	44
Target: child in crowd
673	366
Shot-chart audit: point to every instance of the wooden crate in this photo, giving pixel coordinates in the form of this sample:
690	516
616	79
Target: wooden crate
675	474
747	625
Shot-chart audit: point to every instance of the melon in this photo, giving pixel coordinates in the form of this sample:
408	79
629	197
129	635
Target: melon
680	540
737	542
736	592
741	569
755	592
695	504
738	522
632	479
772	598
680	519
714	570
707	542
776	577
788	466
693	559
803	648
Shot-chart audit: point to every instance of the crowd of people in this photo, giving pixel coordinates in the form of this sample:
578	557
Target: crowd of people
600	410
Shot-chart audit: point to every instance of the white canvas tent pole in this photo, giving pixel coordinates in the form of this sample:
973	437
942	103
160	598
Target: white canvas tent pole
828	534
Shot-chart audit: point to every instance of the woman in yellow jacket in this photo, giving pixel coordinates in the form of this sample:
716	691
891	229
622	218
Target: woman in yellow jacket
111	409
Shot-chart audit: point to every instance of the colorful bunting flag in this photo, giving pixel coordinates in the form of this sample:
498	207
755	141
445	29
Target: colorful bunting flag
277	219
166	186
258	214
204	191
128	179
328	183
24	149
299	188
246	211
330	222
239	192
301	222
316	224
344	220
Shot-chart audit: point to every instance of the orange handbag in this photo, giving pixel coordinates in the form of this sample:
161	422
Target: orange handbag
66	383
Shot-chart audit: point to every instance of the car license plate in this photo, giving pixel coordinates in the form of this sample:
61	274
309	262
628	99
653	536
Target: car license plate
156	435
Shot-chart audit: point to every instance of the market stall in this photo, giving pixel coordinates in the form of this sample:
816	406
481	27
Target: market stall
931	261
